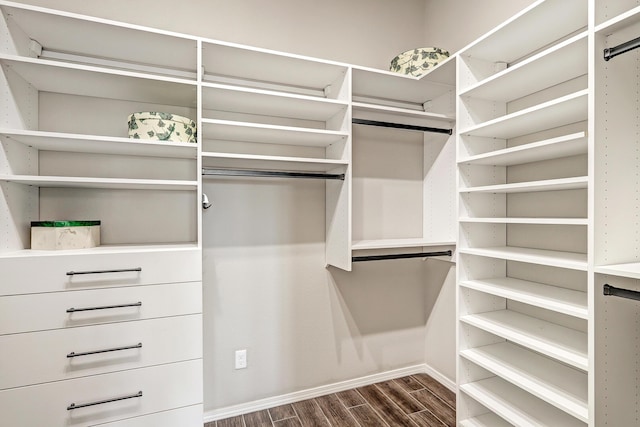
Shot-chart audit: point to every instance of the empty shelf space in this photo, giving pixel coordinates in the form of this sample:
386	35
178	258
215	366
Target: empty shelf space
73	79
630	270
532	186
563	146
54	141
396	243
108	183
558	342
624	20
555	113
553	382
269	103
570	260
516	405
269	134
253	161
561	300
485	420
535	221
397	111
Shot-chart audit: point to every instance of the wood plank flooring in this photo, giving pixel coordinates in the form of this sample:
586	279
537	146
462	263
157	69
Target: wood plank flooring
416	400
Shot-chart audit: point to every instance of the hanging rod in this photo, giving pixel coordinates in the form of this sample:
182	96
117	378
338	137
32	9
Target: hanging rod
619	292
401	126
611	52
399	256
270	174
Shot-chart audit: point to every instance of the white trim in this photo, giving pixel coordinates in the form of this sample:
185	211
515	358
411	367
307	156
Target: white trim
271	402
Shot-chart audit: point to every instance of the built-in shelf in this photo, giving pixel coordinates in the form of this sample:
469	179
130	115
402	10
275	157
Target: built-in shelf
561	300
266	102
553	382
107	183
619	22
396	243
558	342
485	420
532	186
570	260
253	161
517	406
269	134
560	63
630	270
100	82
563	146
55	141
555	113
535	221
104	249
397	111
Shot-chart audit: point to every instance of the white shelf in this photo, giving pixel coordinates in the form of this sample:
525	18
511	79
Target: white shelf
396	243
269	103
561	300
558	342
532	186
630	270
522	33
397	111
55	141
621	21
108	183
485	420
555	113
570	260
560	63
104	249
84	80
536	221
555	383
269	134
562	146
253	161
517	406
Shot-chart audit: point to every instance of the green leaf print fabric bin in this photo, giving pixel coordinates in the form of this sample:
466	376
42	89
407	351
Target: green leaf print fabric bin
162	127
419	61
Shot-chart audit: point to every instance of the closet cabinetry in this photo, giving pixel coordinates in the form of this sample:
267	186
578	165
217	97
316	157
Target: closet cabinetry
79	328
523	183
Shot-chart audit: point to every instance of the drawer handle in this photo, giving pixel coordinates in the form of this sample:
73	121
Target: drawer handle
100	402
87	353
124	270
104	307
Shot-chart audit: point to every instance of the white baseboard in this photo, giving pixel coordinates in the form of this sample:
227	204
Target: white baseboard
271	402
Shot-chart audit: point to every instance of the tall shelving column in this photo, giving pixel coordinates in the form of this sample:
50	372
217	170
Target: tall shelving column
523	177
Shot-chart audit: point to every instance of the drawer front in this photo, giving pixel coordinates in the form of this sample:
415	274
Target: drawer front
162	388
77	352
190	416
88	307
92	270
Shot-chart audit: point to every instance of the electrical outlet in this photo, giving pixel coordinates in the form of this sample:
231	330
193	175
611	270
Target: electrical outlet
241	359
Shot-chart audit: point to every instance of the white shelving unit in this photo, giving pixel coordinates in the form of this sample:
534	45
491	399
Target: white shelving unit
523	143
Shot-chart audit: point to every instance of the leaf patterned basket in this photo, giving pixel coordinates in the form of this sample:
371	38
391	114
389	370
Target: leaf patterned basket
419	61
162	127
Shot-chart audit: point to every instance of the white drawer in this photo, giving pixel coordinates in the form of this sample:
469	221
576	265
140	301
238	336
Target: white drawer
38	312
164	387
191	416
47	272
61	354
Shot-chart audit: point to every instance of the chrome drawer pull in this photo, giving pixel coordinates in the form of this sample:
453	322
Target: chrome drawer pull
125	270
100	402
87	353
104	307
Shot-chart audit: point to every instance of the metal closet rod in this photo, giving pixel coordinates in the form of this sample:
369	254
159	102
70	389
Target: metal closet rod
619	292
399	256
611	52
401	126
270	174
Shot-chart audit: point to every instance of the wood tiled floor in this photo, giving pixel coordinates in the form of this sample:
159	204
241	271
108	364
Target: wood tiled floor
416	400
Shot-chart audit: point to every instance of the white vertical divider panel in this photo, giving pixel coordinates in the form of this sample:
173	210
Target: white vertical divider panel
199	194
439	189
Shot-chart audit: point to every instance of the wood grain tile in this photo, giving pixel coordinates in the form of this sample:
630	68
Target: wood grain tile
438	389
400	397
210	424
409	384
231	422
350	398
288	422
426	419
310	413
258	419
366	416
282	412
335	411
385	408
444	412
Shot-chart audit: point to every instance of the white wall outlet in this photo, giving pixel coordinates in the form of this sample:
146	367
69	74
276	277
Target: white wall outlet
241	359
